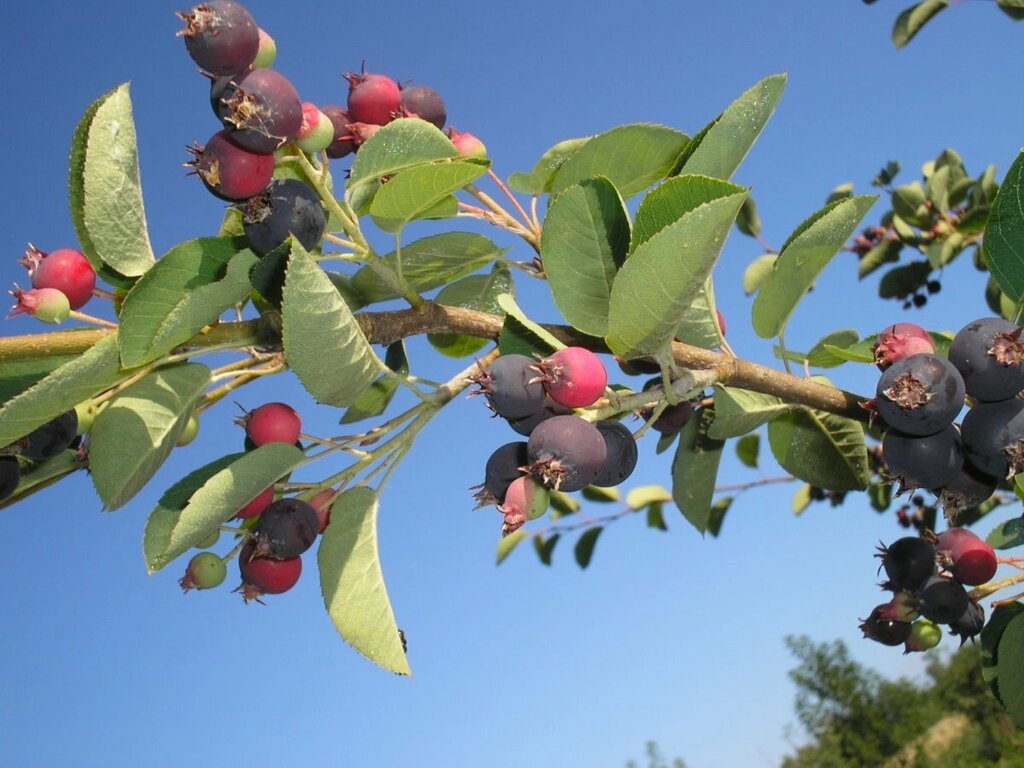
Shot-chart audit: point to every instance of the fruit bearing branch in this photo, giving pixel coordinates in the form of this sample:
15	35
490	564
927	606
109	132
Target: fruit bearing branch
389	326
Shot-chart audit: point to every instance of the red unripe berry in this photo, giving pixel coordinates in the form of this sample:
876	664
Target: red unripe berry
574	377
970	559
228	171
265	575
467	144
321	504
372	98
257	505
65	269
273	423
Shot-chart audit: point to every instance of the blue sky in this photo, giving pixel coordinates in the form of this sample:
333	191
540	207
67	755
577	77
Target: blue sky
666	636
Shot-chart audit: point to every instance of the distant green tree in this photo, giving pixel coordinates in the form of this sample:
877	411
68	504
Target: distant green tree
656	760
857	719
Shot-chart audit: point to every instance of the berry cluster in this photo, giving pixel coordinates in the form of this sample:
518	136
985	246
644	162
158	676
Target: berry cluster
563	451
927	577
277	531
920	394
62	281
261	114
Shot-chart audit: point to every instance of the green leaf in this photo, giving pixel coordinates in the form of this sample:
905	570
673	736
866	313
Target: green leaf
353	584
507	543
669	269
841	192
133	435
910	21
991	634
44	474
1012	8
428	263
880	496
545	547
563	504
1010	670
721	146
599	494
656	516
508	305
821	355
79	379
104	187
209	497
698	322
539	179
186	290
670	201
479	292
885	176
820	448
739	411
640	497
903	280
756	272
718	510
1008	534
584	242
695	469
801	499
323	342
631	157
808	250
748	222
584	549
747	448
19	374
885	252
1004	233
412	193
374	400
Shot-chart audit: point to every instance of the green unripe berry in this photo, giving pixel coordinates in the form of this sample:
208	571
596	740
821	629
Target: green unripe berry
205	571
189	433
209	541
267	51
924	635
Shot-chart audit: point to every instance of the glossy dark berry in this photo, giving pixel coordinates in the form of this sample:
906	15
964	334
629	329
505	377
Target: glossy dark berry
908	562
424	103
927	462
920	395
942	600
621	457
286	529
970	622
229	171
968	557
272	423
263	112
899	341
265	575
220	36
526	424
205	571
342	144
52	438
673	417
65	269
566	453
887	631
372	98
510	387
989	354
10	476
574	377
286	207
993	437
503	466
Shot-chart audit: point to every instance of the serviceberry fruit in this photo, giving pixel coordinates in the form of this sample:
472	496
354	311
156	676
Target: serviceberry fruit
286	207
970	623
372	98
920	395
525	499
46	304
466	143
968	557
342	144
65	269
205	571
942	600
993	437
317	131
924	635
673	417
257	505
267	51
10	476
265	575
928	462
574	377
566	452
286	529
52	438
887	631
321	504
188	434
510	387
526	424
899	341
503	466
263	112
220	36
229	171
969	488
424	103
272	423
908	562
989	354
621	454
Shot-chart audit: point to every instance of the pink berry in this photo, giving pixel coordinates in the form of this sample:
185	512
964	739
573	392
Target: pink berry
574	377
525	499
273	423
467	144
372	98
228	171
970	559
899	341
46	304
321	504
65	269
257	505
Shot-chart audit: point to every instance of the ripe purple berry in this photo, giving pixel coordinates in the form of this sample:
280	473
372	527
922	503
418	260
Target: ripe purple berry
229	171
343	143
286	207
526	424
942	600
989	355
928	462
220	36
263	112
372	98
899	341
881	627
510	387
993	437
503	466
908	562
970	623
52	438
920	395
424	103
65	269
205	571
286	529
10	476
622	454
566	452
968	488
574	377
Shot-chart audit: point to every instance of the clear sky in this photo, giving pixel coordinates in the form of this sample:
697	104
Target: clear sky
666	636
